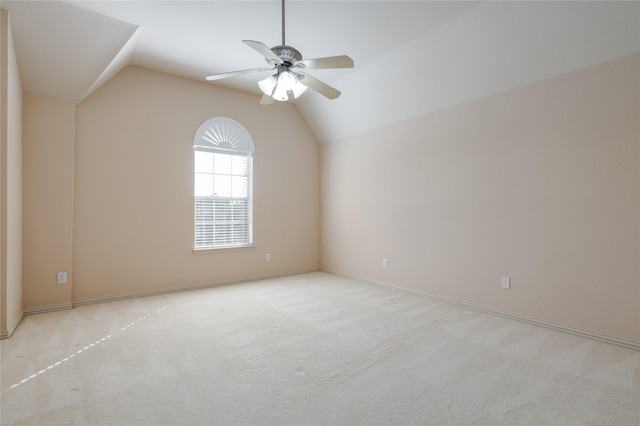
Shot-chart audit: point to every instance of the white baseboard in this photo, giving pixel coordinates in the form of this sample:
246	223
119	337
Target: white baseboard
94	300
629	344
50	308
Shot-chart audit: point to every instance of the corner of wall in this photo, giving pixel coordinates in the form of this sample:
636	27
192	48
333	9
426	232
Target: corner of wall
10	182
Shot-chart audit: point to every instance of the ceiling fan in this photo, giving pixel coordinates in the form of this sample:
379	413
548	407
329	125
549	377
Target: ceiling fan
289	81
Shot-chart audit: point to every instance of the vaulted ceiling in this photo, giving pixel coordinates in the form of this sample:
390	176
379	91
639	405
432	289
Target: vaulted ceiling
411	57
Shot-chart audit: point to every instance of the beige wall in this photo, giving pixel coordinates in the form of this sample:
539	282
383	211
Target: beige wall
49	136
10	182
133	200
541	184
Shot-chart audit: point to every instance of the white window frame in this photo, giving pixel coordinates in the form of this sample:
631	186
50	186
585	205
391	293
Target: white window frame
223	136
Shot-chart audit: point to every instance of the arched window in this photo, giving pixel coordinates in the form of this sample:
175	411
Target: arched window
223	154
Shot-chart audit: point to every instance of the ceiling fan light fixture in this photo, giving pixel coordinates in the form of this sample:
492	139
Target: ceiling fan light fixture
283	87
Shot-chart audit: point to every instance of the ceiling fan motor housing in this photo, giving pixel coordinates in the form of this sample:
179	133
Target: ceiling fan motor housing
288	54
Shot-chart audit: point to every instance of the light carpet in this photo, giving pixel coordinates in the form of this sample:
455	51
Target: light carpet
312	349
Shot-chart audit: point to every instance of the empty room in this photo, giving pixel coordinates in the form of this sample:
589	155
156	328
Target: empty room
319	212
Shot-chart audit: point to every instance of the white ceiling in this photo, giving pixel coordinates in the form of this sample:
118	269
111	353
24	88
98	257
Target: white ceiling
411	57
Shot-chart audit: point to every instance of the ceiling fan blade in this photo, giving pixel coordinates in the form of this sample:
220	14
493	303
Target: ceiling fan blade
342	61
320	87
235	73
266	100
262	49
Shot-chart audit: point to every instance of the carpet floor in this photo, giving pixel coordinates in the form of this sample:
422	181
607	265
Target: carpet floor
312	349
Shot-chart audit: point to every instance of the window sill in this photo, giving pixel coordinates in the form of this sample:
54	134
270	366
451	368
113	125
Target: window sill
211	250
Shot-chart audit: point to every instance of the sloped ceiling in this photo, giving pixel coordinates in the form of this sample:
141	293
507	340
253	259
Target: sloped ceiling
411	57
62	50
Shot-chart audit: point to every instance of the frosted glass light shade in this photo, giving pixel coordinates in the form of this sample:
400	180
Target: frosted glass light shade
298	88
268	84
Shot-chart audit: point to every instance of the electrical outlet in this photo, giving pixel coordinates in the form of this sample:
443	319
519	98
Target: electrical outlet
384	262
267	257
62	277
506	282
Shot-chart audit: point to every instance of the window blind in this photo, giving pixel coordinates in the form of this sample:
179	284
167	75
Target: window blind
222	199
222	222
